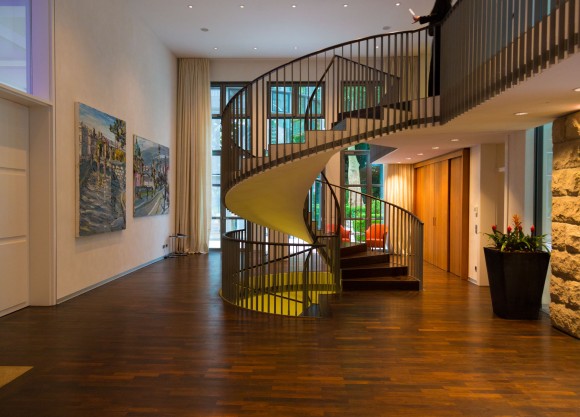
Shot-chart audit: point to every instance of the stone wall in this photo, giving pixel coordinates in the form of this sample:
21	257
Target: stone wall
565	283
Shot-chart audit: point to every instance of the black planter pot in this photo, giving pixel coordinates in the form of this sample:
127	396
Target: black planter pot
516	282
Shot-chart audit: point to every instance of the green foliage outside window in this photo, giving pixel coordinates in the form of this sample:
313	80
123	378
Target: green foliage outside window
356	216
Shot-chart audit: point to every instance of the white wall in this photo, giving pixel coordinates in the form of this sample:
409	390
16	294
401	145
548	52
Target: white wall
107	59
242	69
487	187
520	177
485	204
501	185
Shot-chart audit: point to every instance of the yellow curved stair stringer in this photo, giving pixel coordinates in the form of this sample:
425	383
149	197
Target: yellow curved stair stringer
275	198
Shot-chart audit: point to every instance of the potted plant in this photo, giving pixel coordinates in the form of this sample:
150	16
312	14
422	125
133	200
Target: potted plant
516	266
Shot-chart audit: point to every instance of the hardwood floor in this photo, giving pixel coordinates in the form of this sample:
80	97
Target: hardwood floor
160	342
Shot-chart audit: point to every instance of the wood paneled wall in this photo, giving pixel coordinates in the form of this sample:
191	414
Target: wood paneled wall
442	203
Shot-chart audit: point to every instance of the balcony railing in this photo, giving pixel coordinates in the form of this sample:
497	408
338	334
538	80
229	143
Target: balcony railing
488	46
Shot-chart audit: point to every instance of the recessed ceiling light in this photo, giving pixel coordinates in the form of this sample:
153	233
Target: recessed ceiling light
255	48
420	154
293	6
397	4
577	90
204	29
215	48
521	113
408	159
454	140
399	162
295	48
345	5
242	6
435	147
190	6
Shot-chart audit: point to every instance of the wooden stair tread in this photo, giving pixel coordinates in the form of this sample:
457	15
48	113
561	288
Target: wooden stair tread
362	254
398	278
382	265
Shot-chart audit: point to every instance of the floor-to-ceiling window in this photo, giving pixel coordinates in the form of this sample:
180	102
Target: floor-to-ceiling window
221	93
543	181
543	192
15	44
360	175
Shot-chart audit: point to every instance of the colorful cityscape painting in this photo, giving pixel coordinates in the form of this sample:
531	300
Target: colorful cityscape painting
150	174
101	171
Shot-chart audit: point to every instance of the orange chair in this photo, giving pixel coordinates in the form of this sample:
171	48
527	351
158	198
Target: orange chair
376	236
344	234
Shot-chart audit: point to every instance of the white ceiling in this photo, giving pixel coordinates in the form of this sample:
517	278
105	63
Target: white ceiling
278	30
274	27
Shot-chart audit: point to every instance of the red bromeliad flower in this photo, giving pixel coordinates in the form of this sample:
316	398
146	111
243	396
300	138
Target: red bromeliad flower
515	240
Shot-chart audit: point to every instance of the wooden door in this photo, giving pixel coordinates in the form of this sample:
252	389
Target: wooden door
458	215
424	201
440	237
441	202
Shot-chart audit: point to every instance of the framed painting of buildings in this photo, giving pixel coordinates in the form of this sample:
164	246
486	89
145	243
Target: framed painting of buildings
150	178
101	171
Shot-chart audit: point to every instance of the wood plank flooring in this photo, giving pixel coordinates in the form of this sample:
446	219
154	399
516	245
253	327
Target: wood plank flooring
160	342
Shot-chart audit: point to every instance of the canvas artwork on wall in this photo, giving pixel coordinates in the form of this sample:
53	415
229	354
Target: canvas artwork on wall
150	178
101	171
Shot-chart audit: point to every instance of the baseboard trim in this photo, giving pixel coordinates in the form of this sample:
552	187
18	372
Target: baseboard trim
106	281
13	309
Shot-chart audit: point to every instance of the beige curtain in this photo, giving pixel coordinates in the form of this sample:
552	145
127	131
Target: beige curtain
399	184
193	188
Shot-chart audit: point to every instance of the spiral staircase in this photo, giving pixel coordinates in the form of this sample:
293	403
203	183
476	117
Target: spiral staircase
281	130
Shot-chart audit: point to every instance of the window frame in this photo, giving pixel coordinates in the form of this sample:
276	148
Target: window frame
294	114
370	87
222	216
366	186
27	4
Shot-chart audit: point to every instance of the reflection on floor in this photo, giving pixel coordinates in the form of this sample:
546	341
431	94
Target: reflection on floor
160	342
10	373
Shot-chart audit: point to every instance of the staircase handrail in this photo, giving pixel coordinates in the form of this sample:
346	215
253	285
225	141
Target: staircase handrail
318	52
405	236
523	38
372	197
311	99
307	112
246	126
251	273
